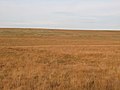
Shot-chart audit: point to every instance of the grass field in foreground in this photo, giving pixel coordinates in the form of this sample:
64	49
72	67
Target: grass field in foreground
41	59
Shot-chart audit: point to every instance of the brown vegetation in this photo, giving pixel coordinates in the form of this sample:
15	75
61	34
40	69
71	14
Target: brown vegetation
40	59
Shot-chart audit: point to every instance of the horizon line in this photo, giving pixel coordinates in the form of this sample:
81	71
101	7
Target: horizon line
57	28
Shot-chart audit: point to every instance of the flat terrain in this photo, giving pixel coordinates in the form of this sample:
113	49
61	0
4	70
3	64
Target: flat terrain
41	59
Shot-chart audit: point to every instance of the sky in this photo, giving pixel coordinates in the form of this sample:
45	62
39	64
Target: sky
67	14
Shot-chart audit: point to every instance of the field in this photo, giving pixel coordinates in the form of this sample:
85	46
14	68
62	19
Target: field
42	59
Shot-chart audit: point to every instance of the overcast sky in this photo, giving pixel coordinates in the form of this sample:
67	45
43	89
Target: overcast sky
70	14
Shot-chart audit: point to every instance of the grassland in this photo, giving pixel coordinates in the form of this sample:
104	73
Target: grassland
41	59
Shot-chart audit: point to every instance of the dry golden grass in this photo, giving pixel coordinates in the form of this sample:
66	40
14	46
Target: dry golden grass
40	59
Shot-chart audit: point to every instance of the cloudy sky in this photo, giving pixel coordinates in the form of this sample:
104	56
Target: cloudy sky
69	14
